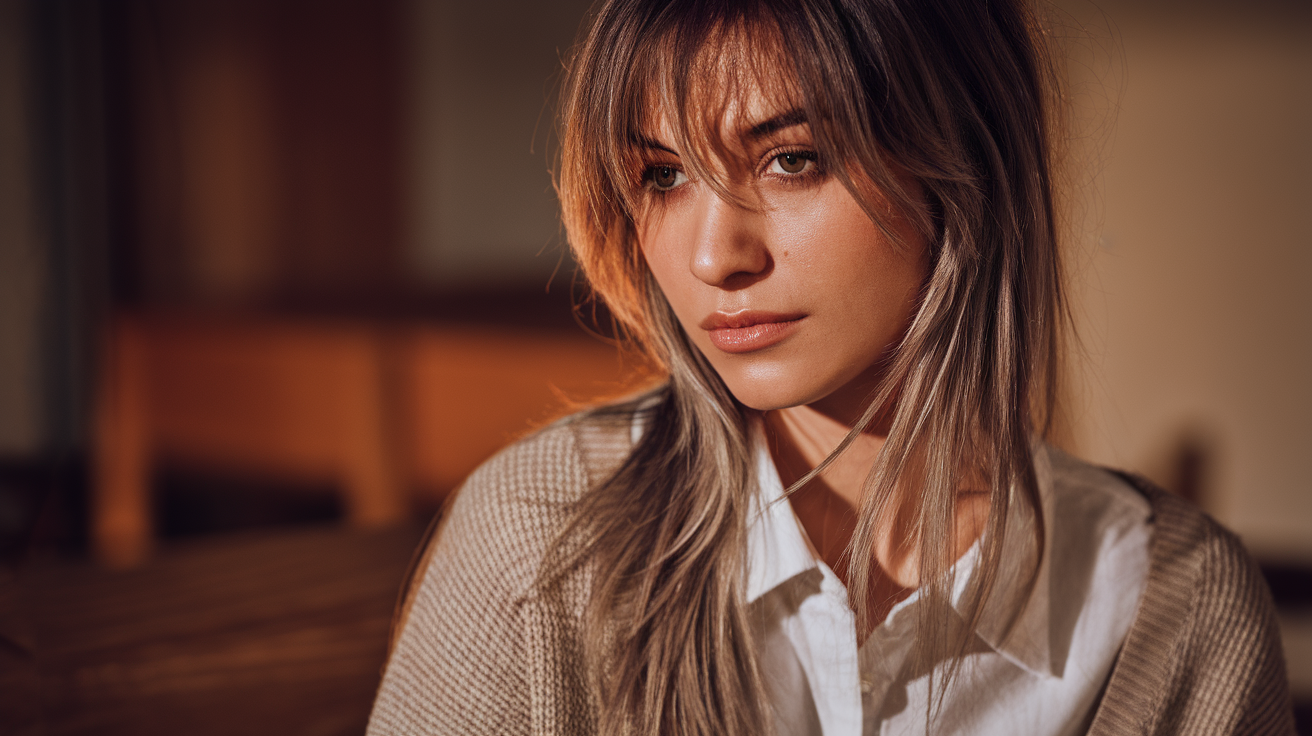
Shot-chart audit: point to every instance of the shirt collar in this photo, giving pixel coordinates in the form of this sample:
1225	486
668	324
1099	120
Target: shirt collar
1017	631
778	552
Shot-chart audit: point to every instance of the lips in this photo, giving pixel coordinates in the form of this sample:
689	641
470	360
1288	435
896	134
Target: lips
748	331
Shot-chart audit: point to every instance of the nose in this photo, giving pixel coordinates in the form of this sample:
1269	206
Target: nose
730	250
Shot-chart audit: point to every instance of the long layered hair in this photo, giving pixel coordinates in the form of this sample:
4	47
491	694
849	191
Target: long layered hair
951	94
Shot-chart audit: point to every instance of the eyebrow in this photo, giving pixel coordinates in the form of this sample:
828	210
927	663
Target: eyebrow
795	116
789	119
643	141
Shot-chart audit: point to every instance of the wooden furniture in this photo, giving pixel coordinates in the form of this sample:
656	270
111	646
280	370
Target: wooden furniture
467	392
302	401
381	412
268	632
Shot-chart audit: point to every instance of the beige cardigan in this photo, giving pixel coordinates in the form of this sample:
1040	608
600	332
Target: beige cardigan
481	650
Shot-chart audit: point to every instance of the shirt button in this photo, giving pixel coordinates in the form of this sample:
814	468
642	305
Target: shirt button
867	684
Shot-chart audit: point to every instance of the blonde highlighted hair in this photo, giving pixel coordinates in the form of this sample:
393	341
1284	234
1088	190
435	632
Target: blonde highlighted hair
951	94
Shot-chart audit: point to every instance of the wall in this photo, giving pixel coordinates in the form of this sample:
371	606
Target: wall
481	104
262	150
1193	262
22	259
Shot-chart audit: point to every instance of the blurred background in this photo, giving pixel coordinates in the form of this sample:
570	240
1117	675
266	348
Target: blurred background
275	275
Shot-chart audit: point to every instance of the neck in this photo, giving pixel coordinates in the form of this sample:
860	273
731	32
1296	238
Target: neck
827	506
800	439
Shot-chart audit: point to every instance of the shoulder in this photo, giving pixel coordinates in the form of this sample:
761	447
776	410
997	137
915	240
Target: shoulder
1203	654
1201	570
471	633
1203	576
515	504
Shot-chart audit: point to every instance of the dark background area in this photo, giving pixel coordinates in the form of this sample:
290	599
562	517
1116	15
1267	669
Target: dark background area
210	168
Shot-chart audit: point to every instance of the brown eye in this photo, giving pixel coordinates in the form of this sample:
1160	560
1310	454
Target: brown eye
792	163
664	177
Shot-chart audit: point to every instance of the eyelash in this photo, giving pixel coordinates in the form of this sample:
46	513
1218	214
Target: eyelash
805	176
649	178
802	153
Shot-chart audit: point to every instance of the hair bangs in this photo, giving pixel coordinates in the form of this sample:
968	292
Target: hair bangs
687	77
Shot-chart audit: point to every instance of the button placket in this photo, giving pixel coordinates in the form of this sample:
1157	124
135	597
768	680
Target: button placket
882	658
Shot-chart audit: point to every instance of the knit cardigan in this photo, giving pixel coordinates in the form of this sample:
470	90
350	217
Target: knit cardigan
479	649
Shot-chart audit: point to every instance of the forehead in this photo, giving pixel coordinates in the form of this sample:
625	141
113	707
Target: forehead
731	84
744	120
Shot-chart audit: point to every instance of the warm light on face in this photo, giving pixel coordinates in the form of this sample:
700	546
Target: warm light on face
792	293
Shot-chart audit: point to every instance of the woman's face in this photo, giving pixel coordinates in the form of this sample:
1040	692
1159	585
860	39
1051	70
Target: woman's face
793	294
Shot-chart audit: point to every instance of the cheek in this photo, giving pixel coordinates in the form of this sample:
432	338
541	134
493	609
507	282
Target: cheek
831	262
860	287
829	246
659	254
664	242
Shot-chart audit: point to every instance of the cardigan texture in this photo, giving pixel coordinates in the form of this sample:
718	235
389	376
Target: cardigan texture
479	649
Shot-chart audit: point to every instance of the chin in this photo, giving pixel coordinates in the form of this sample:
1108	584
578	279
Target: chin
767	385
772	391
762	401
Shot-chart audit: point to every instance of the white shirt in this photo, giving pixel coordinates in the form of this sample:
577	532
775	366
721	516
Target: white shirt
1042	679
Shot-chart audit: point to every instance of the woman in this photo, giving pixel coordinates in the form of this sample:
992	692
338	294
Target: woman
832	224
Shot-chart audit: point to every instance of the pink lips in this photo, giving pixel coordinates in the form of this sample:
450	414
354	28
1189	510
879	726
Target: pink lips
747	331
